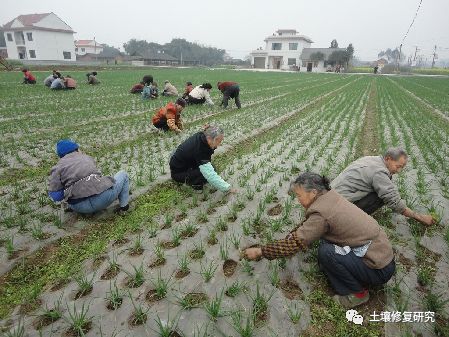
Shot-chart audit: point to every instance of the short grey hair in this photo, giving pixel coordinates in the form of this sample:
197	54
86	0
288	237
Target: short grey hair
395	153
213	131
312	181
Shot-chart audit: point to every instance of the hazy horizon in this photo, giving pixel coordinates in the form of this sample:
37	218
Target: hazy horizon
239	27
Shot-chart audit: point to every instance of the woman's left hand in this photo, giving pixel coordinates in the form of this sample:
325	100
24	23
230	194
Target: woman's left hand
252	253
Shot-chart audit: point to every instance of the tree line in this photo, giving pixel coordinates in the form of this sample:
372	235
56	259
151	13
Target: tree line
178	48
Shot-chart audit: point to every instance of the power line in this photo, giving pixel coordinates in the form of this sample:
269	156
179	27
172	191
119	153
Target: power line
413	21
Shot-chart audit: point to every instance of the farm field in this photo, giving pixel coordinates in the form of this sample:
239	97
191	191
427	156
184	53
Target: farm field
171	266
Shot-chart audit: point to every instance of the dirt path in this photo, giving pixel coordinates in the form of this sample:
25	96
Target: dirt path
369	139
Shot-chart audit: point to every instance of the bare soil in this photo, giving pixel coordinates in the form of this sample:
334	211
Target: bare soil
229	267
275	210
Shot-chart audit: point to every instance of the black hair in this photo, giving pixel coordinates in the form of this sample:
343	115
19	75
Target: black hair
147	79
312	181
189	83
94	73
206	86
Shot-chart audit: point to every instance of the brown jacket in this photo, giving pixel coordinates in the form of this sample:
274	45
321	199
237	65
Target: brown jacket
331	217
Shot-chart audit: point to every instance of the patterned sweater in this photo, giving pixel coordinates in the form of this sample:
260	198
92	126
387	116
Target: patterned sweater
338	221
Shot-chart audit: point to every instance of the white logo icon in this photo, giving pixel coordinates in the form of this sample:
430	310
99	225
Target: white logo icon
353	316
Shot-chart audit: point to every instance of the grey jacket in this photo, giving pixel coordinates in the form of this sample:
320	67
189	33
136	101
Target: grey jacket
366	175
78	175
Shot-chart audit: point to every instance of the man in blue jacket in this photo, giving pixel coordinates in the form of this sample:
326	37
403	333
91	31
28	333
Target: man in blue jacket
191	162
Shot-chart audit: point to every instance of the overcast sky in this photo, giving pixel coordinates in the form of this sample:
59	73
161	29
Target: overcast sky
240	26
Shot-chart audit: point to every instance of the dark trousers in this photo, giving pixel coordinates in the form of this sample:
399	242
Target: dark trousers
27	81
348	273
192	100
192	177
162	124
231	92
370	203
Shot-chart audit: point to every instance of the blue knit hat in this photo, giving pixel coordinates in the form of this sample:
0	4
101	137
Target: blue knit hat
66	146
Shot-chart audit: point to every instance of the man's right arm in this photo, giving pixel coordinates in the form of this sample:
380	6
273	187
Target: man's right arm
387	191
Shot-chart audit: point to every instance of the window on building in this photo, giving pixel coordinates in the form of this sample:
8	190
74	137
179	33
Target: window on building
30	36
67	55
292	62
32	54
293	46
83	50
276	46
315	64
9	36
304	63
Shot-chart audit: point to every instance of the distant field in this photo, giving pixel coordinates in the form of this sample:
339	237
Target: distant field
289	122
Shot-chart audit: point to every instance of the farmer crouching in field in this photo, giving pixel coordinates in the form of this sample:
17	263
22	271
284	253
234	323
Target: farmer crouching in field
58	82
92	78
367	183
69	83
137	88
150	91
28	77
76	179
229	90
49	80
354	251
187	90
191	162
169	90
169	117
201	94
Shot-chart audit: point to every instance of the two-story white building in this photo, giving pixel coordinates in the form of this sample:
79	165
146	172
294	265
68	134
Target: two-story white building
39	37
282	50
83	47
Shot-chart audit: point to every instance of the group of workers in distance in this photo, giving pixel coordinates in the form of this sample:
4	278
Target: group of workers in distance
354	251
169	117
56	81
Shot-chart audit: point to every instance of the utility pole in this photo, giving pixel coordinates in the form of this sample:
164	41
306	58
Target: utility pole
434	56
416	50
95	49
398	59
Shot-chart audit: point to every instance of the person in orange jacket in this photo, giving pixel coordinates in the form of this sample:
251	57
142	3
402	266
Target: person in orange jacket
169	117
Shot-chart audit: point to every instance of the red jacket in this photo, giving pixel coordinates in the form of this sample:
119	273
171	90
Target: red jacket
137	88
224	85
29	76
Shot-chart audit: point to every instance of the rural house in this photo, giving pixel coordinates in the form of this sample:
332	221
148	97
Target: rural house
83	47
288	50
282	50
39	37
154	58
317	59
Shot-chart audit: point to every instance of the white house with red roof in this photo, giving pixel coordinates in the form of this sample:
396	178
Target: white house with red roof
83	47
39	37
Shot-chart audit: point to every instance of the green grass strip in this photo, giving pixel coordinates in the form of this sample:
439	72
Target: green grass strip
64	258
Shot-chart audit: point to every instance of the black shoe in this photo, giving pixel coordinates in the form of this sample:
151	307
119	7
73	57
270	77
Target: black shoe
122	210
